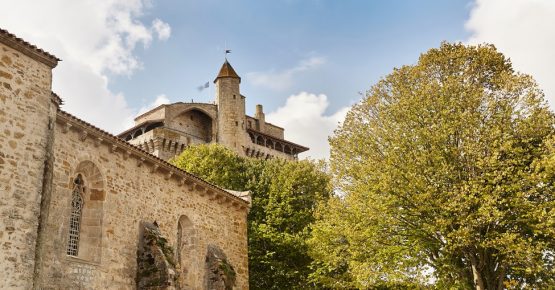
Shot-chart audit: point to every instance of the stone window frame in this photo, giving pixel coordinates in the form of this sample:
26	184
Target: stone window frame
92	216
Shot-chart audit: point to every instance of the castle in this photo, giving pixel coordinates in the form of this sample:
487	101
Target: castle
166	130
84	209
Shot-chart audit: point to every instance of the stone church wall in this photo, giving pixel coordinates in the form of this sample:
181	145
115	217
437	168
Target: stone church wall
122	191
26	110
42	152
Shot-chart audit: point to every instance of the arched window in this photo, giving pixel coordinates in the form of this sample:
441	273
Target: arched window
187	255
85	213
75	217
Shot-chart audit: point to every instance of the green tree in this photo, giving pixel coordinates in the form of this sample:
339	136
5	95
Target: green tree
285	195
444	175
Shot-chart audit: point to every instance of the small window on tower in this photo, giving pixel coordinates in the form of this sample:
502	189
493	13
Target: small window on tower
234	97
236	123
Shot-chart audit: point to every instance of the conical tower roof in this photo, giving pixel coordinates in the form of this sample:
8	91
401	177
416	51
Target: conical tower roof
227	71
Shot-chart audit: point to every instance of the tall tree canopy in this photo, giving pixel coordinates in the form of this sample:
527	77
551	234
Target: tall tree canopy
444	175
284	197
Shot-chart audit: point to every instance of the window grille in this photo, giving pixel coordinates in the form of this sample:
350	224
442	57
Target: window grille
75	218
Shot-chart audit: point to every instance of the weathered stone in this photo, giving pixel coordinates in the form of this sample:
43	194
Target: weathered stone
155	260
18	240
42	154
6	59
5	75
219	273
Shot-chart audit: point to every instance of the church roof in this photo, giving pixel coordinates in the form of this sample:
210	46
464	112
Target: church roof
101	136
227	71
28	49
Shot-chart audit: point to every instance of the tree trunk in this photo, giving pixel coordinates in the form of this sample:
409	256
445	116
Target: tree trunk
478	280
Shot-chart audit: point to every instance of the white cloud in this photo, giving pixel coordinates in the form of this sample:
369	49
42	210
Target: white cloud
284	79
93	38
305	122
162	29
523	30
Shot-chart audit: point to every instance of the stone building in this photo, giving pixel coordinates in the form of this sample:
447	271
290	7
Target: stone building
83	209
166	130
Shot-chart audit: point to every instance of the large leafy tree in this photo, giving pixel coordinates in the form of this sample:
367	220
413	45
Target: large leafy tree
285	195
444	177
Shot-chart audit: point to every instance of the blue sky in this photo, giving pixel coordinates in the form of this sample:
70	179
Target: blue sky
358	41
305	60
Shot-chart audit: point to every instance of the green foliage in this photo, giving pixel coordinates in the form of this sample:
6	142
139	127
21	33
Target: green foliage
229	274
443	166
284	197
215	165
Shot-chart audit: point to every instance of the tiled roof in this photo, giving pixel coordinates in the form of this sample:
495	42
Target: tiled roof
28	49
57	100
301	148
153	159
147	122
227	71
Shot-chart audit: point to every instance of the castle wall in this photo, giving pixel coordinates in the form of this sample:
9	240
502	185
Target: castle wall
165	143
273	131
260	151
192	122
131	191
26	110
267	128
154	114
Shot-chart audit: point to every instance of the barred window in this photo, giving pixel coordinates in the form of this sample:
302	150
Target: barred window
75	218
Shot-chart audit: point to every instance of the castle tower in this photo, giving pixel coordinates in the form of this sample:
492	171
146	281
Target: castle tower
231	109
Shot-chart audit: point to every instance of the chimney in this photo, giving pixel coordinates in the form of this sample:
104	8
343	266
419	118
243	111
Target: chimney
259	115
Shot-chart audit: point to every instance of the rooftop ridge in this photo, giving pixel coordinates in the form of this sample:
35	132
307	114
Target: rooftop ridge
28	49
304	148
163	105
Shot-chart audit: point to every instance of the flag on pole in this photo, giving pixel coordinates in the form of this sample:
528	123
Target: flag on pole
205	86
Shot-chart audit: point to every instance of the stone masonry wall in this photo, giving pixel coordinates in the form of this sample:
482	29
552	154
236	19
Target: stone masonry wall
273	130
130	192
165	143
156	114
194	124
25	110
231	115
269	128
